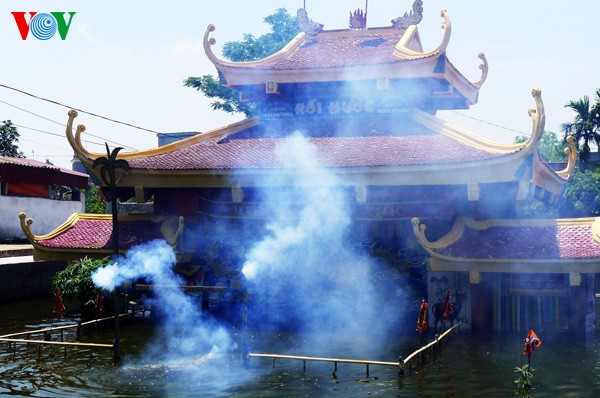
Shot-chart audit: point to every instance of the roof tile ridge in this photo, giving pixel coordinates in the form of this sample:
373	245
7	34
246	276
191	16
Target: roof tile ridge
528	222
217	133
280	55
76	218
462	135
61	229
88	157
403	52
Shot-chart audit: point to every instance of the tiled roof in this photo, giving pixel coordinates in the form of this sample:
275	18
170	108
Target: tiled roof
30	163
363	151
525	242
338	51
97	234
33	171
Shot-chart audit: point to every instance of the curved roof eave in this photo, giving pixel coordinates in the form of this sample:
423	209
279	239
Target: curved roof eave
73	220
87	158
509	153
529	266
461	223
255	72
171	228
419	68
278	56
470	90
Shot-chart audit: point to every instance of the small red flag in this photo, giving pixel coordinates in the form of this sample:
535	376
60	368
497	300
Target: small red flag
531	342
422	322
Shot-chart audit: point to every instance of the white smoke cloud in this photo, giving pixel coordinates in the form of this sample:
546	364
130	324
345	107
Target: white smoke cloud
305	271
182	331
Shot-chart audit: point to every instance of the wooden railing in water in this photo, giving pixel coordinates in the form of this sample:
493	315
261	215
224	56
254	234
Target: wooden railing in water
12	341
401	364
185	288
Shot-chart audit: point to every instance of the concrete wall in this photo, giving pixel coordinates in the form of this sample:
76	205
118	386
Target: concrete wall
25	281
47	214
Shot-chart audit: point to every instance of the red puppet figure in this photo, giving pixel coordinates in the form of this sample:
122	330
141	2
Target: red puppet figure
100	302
422	322
448	310
59	306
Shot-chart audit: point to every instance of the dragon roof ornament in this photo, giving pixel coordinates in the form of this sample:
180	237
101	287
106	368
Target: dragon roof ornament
307	25
409	18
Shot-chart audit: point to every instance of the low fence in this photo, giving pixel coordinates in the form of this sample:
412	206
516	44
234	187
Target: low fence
401	364
12	339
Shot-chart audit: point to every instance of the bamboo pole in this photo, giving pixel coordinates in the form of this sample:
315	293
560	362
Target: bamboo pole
401	361
59	343
429	346
190	288
60	328
334	360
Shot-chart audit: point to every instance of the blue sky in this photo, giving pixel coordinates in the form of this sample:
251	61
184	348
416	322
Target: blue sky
127	59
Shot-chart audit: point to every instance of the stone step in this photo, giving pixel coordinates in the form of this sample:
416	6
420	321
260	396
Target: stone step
15	250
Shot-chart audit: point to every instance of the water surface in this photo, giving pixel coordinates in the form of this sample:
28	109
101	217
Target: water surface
467	365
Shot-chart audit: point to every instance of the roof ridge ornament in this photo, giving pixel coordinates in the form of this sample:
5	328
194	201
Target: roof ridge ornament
484	71
455	233
26	226
571	152
358	19
409	18
402	51
307	25
538	117
75	140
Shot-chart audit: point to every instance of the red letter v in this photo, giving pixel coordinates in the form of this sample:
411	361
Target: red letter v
21	23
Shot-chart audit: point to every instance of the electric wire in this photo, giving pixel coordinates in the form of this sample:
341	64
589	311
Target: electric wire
493	124
61	124
77	109
46	145
54	134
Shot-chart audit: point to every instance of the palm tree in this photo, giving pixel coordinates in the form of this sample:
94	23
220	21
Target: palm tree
585	127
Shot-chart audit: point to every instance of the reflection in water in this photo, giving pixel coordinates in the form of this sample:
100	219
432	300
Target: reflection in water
468	365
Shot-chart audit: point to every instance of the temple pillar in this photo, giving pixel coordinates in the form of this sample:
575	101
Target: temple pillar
481	307
582	312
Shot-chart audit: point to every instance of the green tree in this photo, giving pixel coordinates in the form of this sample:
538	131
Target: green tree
9	137
551	149
251	48
75	283
585	127
581	197
94	202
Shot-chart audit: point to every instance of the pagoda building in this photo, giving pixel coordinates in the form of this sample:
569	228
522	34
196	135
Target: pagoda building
438	205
